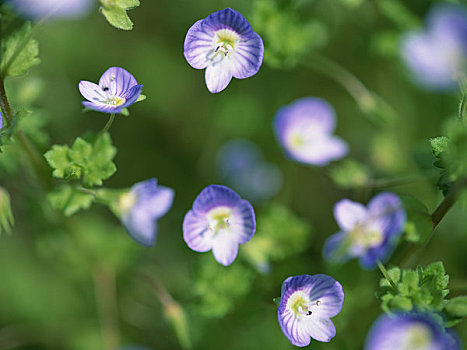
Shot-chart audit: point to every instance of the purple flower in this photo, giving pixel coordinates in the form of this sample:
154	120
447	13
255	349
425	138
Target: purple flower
437	57
141	207
304	129
225	44
413	331
306	307
37	9
219	220
241	164
117	89
1	120
368	233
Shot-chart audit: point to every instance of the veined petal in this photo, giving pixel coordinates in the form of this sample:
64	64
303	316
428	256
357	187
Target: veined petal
226	19
198	46
224	248
294	328
247	57
91	92
330	295
132	95
218	75
101	107
214	196
244	224
196	232
321	329
348	214
117	80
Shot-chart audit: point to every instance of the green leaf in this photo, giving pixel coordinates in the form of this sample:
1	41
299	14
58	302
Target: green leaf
19	52
69	199
418	225
125	112
140	98
277	301
422	288
6	215
439	145
457	306
91	162
115	11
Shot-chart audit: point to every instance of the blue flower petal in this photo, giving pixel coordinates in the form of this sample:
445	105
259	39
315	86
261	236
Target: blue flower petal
91	92
227	19
245	227
198	45
196	232
151	202
248	57
387	210
132	95
215	196
225	248
102	107
218	76
348	214
117	80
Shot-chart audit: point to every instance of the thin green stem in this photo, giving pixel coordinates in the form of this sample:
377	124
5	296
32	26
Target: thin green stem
106	297
438	214
366	99
447	203
109	124
386	275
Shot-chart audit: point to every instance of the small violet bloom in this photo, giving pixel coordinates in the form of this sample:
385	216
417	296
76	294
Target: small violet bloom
225	44
306	307
38	9
117	89
368	233
141	207
304	130
413	331
1	120
437	57
219	220
242	166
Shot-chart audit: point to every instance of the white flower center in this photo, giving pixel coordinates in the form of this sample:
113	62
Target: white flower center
417	337
219	219
112	100
224	43
366	235
301	305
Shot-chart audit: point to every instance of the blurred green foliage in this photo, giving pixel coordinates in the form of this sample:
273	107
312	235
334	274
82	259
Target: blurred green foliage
49	267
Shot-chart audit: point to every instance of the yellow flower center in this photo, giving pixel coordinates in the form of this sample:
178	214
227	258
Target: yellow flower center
366	236
418	338
126	202
225	40
219	219
116	101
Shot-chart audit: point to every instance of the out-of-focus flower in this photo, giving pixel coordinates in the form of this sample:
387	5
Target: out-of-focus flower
367	233
413	331
304	130
306	307
117	89
1	120
437	56
225	44
219	220
141	207
241	165
38	9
